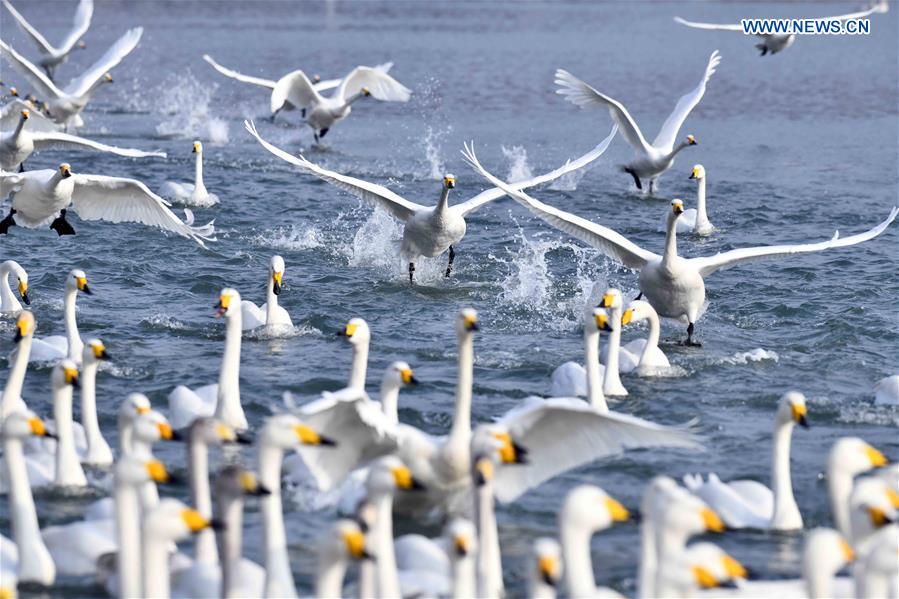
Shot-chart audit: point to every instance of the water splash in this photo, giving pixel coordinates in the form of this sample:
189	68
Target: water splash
518	167
432	143
290	237
756	355
183	105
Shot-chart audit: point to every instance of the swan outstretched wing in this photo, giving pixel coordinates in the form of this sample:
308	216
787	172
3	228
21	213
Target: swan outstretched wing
10	182
563	433
581	94
44	86
610	243
114	199
326	84
120	49
80	25
11	112
266	83
294	87
714	26
57	139
570	166
879	7
30	31
399	207
381	85
710	264
668	133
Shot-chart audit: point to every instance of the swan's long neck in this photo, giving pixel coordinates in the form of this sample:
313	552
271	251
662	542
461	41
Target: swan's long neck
198	172
13	390
670	241
271	301
652	340
612	380
89	420
72	334
352	99
128	560
839	488
230	542
648	557
228	408
19	128
68	467
460	433
278	577
35	563
818	581
464	576
389	396
490	568
329	577
591	363
677	149
388	580
576	557
8	301
359	366
702	219
94	88
155	566
200	497
781	483
443	203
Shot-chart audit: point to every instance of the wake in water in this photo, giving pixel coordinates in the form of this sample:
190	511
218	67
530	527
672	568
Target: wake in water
281	332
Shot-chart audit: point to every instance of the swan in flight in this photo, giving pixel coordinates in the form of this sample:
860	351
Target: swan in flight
652	159
694	220
51	56
65	105
427	231
17	145
269	314
675	286
778	42
192	194
44	196
749	504
9	305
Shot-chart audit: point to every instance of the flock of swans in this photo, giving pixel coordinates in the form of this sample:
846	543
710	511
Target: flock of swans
356	450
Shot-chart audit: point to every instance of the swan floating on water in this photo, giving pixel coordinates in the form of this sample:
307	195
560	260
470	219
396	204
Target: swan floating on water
191	194
70	346
9	305
694	220
53	56
652	159
675	286
270	314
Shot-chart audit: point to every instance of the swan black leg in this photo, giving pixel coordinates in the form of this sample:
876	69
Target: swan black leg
639	296
652	186
315	135
61	225
302	113
636	178
411	270
449	267
324	132
22	167
689	342
7	222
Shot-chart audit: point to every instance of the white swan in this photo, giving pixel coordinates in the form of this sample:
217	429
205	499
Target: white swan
571	379
44	196
849	457
53	56
169	522
11	396
697	570
886	391
695	220
674	285
34	561
586	511
749	504
442	567
70	346
68	471
223	398
65	105
490	453
778	42
546	568
343	542
427	231
191	194
269	314
612	355
872	504
9	304
650	359
97	451
322	113
652	159
18	144
880	569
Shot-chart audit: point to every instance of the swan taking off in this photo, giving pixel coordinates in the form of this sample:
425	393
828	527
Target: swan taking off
191	194
652	159
777	42
428	231
52	56
44	196
675	286
65	105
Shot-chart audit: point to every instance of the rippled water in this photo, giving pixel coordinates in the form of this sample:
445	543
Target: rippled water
795	146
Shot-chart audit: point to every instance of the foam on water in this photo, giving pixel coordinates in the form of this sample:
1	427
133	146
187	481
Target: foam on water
289	237
183	105
281	332
164	322
518	167
755	355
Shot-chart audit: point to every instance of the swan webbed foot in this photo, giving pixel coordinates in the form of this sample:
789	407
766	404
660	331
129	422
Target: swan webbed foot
633	174
449	267
315	135
7	222
61	225
324	132
302	113
411	271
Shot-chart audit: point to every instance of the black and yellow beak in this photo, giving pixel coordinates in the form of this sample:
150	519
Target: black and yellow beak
483	471
799	416
355	544
449	181
461	545
691	140
277	282
407	377
309	436
549	570
250	485
25	115
71	377
100	352
712	521
510	452
877	459
23	291
157	472
195	521
108	77
404	480
602	322
196	148
617	511
677	207
221	308
65	170
39	429
348	331
81	283
471	323
366	92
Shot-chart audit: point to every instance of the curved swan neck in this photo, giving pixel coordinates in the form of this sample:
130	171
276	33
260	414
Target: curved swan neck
489	559
461	429
278	576
198	466
352	99
72	334
68	466
677	149
359	366
35	563
389	396
271	301
128	558
8	300
652	339
670	241
230	541
388	580
576	557
19	127
781	483
443	203
591	363
89	405
228	408
13	390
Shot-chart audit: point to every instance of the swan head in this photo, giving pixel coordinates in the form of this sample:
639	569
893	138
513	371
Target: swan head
198	148
698	172
547	561
684	514
872	504
792	409
399	375
462	537
25	326
65	374
467	322
77	280
366	92
212	431
172	520
152	427
285	431
708	566
343	542
132	470
356	331
22	277
600	320
65	170
134	405
611	299
107	78
588	507
276	269
677	207
25	115
388	475
234	481
24	424
851	456
449	181
93	352
826	551
13	92
316	78
691	141
228	304
636	311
